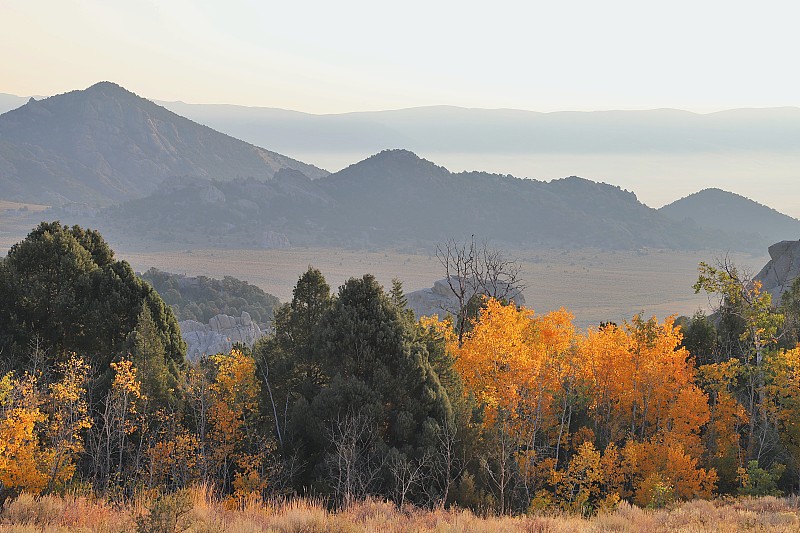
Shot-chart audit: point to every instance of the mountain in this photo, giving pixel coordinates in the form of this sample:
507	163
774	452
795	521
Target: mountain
105	144
10	101
726	211
397	199
753	151
506	131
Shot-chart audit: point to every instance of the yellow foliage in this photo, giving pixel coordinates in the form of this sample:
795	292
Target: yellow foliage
21	455
234	406
517	364
442	328
642	384
666	460
68	417
637	382
174	459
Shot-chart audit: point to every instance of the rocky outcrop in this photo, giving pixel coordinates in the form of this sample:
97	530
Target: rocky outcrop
782	269
441	300
219	335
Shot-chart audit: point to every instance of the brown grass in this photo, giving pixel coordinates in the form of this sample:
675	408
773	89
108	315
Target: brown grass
595	285
6	205
50	514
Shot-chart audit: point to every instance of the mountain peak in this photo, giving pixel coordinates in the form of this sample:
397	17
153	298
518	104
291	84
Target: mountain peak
727	211
392	163
105	144
106	85
109	88
396	154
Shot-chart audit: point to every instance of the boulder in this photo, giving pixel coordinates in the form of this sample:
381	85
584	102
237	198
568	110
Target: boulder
219	335
782	269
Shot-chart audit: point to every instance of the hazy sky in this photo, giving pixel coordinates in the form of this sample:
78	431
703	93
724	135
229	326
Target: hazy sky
350	55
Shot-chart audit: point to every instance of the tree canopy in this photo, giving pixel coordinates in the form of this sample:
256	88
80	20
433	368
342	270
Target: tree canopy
62	291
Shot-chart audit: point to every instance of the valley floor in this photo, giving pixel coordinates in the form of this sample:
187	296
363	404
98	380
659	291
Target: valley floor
50	514
595	285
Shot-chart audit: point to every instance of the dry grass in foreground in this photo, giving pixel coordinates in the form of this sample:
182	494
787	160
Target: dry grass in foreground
195	511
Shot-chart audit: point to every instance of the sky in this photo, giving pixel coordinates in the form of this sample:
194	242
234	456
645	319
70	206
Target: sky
332	57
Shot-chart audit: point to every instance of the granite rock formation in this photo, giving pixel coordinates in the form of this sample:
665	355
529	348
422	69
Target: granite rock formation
441	300
782	269
219	335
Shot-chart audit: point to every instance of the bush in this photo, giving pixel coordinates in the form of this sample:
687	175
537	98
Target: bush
166	513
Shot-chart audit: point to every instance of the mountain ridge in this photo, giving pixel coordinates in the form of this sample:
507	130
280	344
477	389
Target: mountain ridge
105	144
396	198
518	131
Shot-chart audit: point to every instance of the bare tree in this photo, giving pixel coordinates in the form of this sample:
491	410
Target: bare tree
198	403
353	464
446	465
471	268
499	464
407	474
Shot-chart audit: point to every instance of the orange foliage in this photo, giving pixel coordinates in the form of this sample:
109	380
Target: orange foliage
636	383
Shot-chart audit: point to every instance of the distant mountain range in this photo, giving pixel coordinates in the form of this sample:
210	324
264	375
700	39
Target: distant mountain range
505	131
11	101
105	144
175	181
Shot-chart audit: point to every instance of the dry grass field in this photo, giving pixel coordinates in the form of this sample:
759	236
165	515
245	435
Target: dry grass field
5	205
595	285
196	512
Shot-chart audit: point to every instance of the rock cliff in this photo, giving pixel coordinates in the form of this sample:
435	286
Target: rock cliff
782	269
219	335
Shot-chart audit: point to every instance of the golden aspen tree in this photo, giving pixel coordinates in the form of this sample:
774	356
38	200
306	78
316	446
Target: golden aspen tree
21	454
239	452
116	422
524	370
68	416
782	405
727	418
743	298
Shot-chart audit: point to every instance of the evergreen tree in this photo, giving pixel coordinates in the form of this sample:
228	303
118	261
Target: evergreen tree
285	360
380	384
149	358
62	288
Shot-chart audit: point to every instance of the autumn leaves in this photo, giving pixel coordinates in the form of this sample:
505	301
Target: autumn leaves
616	412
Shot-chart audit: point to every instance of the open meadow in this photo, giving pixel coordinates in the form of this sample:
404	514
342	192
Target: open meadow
595	285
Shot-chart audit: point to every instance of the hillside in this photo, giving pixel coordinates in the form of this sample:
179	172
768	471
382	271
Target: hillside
395	198
726	211
201	298
104	144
